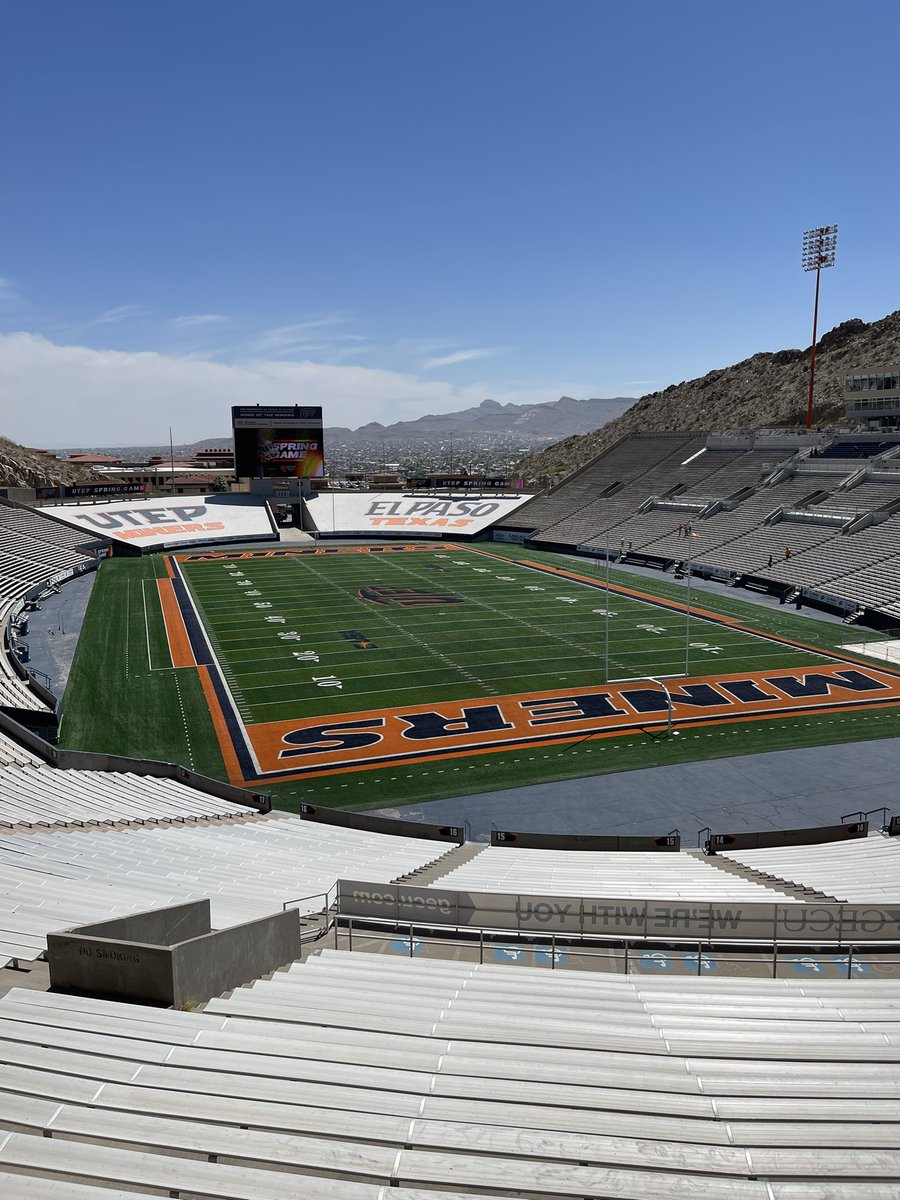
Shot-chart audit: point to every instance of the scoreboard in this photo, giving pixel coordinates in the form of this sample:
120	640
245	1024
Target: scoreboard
274	441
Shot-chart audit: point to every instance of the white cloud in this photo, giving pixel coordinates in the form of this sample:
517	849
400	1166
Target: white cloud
77	395
193	320
460	356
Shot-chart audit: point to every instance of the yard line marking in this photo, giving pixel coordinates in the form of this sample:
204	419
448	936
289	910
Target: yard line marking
146	625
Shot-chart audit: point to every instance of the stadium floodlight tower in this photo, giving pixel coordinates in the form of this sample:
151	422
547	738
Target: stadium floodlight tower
818	251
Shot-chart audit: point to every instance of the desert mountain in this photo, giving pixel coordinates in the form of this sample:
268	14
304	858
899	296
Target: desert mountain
21	467
769	389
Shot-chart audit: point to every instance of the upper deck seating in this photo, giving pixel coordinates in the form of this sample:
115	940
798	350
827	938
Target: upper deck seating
362	1076
624	462
608	512
848	448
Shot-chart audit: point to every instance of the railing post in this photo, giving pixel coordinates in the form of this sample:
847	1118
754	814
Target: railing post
552	951
849	962
410	940
349	934
774	959
481	946
626	956
699	957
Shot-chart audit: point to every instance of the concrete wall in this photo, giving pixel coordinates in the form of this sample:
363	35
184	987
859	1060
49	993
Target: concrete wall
169	956
210	965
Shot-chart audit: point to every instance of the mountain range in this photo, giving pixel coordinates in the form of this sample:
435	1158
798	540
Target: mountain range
527	423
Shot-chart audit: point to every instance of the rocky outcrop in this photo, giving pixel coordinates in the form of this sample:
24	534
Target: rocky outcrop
21	467
769	389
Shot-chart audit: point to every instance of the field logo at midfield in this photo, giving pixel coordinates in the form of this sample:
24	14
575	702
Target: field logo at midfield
407	597
360	740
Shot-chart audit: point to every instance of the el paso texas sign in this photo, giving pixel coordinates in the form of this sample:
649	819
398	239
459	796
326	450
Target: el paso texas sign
419	515
385	737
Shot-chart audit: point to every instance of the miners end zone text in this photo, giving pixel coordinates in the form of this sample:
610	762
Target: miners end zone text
309	747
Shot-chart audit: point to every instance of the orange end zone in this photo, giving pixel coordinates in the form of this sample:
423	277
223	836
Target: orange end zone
366	740
179	643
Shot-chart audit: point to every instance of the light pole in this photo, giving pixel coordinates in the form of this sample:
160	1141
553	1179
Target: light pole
606	622
687	618
818	252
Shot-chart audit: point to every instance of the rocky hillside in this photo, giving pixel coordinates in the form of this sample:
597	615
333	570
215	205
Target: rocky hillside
769	389
21	467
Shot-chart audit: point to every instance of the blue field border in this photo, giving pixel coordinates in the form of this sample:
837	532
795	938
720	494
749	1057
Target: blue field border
204	656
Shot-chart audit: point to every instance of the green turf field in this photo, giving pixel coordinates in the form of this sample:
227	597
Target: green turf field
302	639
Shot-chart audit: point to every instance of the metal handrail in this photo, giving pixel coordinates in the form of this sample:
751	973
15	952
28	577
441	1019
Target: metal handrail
314	896
862	816
556	947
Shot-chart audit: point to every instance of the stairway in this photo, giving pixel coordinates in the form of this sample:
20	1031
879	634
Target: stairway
455	857
785	886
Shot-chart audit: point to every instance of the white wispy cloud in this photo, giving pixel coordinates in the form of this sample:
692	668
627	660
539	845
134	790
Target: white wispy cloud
295	337
8	293
194	320
461	356
75	394
123	313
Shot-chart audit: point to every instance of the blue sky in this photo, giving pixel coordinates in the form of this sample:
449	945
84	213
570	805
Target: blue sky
393	208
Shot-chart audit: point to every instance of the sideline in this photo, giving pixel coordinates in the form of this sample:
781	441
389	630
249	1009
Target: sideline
775	789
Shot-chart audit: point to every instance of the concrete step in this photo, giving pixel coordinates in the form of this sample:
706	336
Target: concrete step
767	880
454	857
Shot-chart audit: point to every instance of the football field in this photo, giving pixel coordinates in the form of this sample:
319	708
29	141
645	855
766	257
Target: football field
363	675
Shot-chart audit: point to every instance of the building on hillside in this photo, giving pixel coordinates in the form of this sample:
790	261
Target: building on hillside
220	458
94	460
874	397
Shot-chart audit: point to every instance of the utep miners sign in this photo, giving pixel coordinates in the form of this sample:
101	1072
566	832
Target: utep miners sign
361	740
151	523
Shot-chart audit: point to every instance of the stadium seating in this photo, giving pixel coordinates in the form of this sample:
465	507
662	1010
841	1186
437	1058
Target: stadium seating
33	795
609	511
835	559
641	492
597	873
365	1076
686	488
861	871
626	461
33	550
250	868
12	754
